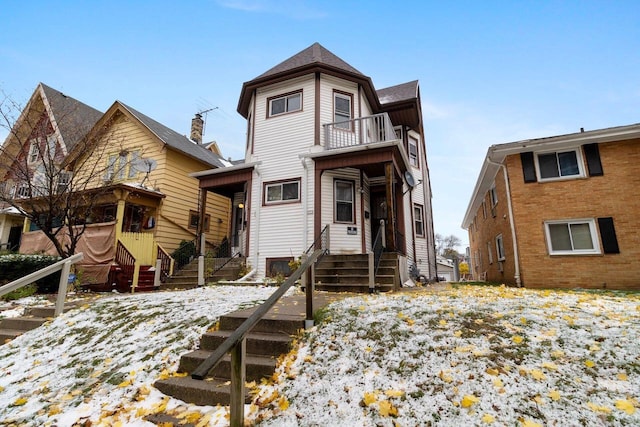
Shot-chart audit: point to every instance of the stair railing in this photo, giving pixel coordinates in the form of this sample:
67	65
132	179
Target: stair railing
64	266
217	268
235	344
166	264
127	262
379	244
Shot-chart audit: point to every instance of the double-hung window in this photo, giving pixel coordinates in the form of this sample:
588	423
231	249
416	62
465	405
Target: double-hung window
282	192
344	201
500	247
413	152
418	218
285	103
34	150
572	237
342	107
560	164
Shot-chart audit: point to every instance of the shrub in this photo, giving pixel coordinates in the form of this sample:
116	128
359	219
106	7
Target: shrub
25	291
15	266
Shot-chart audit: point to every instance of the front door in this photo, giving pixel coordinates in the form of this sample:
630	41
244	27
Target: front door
378	209
14	237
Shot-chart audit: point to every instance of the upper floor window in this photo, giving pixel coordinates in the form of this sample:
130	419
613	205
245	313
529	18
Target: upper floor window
343	195
490	252
500	247
282	192
418	218
194	218
286	103
559	164
572	237
34	150
413	151
342	110
122	165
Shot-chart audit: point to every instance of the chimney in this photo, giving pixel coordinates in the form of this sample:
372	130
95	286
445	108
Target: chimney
197	125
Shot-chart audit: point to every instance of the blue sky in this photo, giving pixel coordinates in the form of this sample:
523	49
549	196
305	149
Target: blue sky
490	71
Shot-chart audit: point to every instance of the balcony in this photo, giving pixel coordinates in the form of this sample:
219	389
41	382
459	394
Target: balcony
360	131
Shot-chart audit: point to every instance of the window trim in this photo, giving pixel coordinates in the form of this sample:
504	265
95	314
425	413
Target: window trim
579	161
490	252
420	208
352	184
34	150
500	254
349	121
193	225
286	96
417	156
281	183
593	230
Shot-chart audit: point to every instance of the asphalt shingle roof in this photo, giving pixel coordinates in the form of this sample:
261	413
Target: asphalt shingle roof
74	118
401	92
176	141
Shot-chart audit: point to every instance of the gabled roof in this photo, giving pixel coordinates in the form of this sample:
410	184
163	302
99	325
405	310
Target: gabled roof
398	93
309	60
314	54
497	153
73	118
176	141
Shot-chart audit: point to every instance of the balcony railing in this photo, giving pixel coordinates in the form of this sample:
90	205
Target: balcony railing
363	130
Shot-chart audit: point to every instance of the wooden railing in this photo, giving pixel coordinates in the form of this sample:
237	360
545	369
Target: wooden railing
64	266
236	343
126	261
166	264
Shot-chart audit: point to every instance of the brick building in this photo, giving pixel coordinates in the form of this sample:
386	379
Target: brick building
559	212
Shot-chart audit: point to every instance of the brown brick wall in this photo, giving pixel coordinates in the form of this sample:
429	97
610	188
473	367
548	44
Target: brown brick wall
485	230
615	194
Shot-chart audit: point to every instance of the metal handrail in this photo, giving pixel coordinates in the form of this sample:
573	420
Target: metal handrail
165	263
235	343
236	255
379	245
63	265
323	238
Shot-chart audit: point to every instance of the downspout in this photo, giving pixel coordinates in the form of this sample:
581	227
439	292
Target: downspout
305	204
511	223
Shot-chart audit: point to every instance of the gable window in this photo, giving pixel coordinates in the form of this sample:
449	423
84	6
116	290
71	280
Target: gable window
413	152
418	218
287	103
282	192
342	108
34	150
500	247
559	164
493	196
572	237
194	217
343	195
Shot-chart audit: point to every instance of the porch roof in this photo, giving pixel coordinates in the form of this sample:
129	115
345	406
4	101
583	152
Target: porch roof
226	181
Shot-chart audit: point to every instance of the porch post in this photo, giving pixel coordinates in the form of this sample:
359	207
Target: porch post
121	196
390	200
201	216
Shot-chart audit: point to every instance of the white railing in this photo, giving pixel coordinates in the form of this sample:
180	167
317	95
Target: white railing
63	265
363	130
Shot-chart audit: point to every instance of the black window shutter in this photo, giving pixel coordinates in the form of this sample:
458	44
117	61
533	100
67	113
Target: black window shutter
608	236
528	168
592	154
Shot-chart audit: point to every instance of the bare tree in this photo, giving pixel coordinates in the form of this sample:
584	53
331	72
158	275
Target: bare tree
57	184
446	245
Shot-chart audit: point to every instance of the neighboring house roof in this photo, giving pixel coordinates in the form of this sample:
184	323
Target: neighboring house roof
402	92
314	58
176	141
497	153
73	118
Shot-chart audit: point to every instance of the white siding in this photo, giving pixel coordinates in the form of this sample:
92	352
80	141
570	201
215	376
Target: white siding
327	86
279	230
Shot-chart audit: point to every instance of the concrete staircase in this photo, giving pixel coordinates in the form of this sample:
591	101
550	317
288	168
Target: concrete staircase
13	327
350	273
187	277
270	338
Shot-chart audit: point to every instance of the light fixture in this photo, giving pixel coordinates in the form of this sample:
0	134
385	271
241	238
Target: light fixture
241	205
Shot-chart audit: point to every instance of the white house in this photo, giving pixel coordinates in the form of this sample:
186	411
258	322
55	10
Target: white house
325	151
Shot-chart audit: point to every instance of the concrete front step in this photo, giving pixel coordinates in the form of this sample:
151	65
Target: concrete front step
353	287
210	392
22	323
7	335
273	344
288	324
256	366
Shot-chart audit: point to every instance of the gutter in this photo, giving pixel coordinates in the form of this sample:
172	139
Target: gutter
511	223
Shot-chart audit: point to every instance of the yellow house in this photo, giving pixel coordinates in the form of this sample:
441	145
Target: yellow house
148	202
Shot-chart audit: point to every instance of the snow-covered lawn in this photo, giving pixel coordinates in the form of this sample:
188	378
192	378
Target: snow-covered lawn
464	356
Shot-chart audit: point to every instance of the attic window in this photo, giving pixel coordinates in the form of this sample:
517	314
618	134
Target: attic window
286	103
559	165
34	150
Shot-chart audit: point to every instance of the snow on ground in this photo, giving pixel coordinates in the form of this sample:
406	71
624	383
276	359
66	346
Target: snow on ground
464	356
98	362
